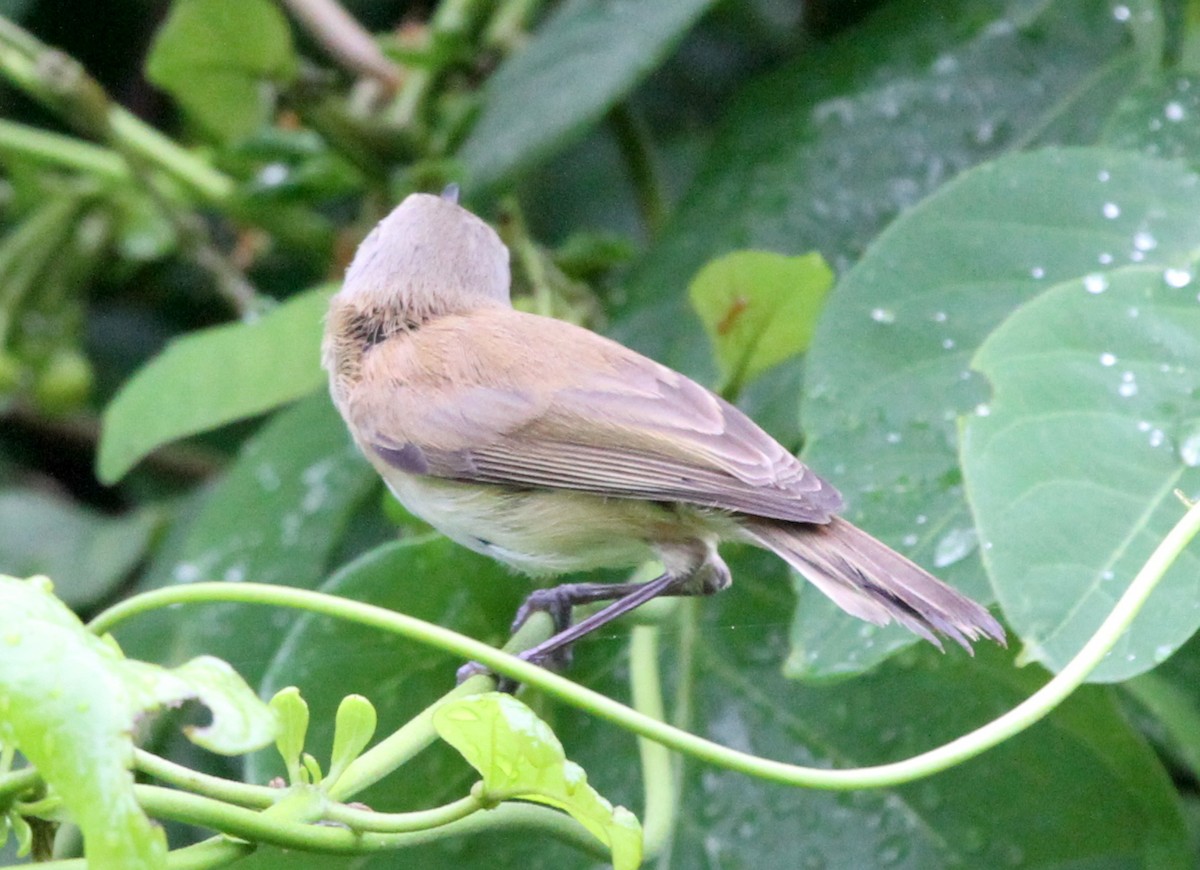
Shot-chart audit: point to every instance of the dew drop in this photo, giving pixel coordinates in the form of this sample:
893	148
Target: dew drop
1143	240
1037	272
1108	359
982	410
1162	652
1121	13
1128	387
1111	210
1189	450
1095	283
1103	175
948	344
883	315
955	546
273	174
939	317
1173	111
1177	277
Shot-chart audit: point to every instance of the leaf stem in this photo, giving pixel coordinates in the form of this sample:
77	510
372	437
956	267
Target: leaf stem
633	141
658	777
956	751
65	151
215	787
347	41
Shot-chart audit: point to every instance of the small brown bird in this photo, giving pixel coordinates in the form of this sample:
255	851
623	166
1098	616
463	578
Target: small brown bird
554	449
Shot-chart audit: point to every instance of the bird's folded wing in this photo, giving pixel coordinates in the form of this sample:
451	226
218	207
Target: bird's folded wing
513	399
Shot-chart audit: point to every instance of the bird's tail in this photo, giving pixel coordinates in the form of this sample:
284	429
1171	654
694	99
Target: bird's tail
868	579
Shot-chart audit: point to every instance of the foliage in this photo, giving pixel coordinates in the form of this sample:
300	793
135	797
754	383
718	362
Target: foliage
1001	381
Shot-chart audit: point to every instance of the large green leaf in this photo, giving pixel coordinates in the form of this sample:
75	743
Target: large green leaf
216	57
1161	116
428	577
823	152
86	552
586	57
1080	787
69	701
888	371
276	517
212	377
1091	427
1079	790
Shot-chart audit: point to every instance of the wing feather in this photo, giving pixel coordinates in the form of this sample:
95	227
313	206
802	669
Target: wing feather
514	399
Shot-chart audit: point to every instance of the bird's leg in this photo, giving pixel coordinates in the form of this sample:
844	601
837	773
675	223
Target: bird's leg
558	602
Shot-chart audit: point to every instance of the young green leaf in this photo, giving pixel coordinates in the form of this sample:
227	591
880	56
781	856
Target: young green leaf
519	757
355	726
1071	472
759	308
292	713
69	701
212	377
215	57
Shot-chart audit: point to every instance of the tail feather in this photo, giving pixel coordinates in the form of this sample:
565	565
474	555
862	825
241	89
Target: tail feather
869	580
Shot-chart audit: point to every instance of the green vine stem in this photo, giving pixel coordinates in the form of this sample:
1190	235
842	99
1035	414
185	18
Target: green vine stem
955	752
231	791
65	151
214	852
633	141
658	777
60	83
220	851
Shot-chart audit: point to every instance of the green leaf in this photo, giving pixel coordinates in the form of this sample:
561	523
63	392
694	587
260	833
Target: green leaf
1160	117
212	377
430	578
759	309
86	552
1017	805
519	758
1071	474
292	713
888	372
69	701
1177	714
215	57
276	517
354	726
587	57
823	152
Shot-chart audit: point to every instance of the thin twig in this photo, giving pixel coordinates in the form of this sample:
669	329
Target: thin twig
347	41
